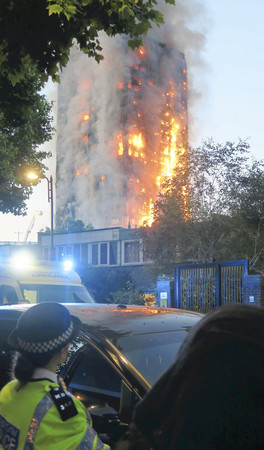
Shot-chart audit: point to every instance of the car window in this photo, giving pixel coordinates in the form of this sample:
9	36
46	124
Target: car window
93	371
91	378
151	353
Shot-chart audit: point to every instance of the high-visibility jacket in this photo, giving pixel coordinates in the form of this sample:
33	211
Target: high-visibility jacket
30	419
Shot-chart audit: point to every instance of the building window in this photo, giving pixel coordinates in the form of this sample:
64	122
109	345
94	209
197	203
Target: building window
76	252
94	254
113	253
84	253
131	252
103	253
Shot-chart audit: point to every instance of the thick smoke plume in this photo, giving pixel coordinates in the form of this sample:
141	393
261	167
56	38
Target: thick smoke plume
97	118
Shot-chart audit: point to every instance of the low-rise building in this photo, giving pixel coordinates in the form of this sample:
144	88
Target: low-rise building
99	247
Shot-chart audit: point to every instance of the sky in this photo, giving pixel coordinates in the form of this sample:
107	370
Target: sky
230	104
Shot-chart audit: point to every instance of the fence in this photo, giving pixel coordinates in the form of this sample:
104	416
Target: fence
202	287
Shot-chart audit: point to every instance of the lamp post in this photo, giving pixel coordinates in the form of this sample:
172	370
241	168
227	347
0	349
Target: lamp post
50	200
34	176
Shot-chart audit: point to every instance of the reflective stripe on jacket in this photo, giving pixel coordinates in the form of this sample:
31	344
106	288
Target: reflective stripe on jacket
29	419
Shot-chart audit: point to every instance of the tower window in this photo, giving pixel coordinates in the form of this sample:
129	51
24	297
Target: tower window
95	254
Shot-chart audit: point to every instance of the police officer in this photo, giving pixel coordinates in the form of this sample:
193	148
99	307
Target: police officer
35	411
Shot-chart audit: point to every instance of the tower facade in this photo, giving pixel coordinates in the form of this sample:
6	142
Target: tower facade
121	127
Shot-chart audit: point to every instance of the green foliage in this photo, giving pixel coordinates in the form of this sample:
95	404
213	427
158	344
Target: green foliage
42	31
104	280
221	215
71	225
128	296
250	204
215	172
248	214
25	124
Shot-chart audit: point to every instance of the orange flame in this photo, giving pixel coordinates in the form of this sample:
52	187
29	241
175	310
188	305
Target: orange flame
135	143
149	217
120	144
160	160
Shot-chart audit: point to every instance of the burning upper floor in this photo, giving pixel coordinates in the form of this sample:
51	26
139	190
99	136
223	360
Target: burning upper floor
121	127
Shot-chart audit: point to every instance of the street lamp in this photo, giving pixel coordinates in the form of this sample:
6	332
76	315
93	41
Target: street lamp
34	176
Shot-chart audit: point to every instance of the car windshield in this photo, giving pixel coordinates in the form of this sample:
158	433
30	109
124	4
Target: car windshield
36	293
151	353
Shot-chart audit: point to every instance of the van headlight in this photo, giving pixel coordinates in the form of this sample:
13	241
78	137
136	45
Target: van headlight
22	260
68	264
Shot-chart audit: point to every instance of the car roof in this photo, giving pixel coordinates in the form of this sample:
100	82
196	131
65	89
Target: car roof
110	318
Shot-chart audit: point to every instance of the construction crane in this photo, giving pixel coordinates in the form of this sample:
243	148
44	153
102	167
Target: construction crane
31	225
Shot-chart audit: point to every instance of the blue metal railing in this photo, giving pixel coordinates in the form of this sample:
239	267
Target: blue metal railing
202	287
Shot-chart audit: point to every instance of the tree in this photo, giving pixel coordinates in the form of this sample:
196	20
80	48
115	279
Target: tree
163	240
220	215
248	211
128	295
41	32
25	124
215	176
102	281
71	225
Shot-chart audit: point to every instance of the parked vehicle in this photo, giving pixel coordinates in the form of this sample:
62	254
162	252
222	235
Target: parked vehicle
119	353
38	281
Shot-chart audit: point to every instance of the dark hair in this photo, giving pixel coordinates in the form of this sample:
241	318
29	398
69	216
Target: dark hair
23	366
213	396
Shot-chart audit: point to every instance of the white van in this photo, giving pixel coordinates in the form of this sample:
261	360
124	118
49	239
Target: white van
40	282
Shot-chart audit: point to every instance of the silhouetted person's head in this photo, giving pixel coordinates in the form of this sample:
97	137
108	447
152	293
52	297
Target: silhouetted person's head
42	332
213	396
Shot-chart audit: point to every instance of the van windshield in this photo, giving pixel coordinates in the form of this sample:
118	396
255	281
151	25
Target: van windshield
37	293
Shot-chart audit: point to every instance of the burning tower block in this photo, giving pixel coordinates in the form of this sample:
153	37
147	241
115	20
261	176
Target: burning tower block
122	125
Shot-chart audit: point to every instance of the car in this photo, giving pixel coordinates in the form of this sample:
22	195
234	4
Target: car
119	353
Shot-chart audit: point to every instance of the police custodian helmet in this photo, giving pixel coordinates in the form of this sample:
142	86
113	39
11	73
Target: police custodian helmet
43	329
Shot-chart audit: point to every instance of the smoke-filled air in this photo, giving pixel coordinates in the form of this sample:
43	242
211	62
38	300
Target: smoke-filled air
123	123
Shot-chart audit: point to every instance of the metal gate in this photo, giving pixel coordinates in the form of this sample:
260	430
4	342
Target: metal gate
202	287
